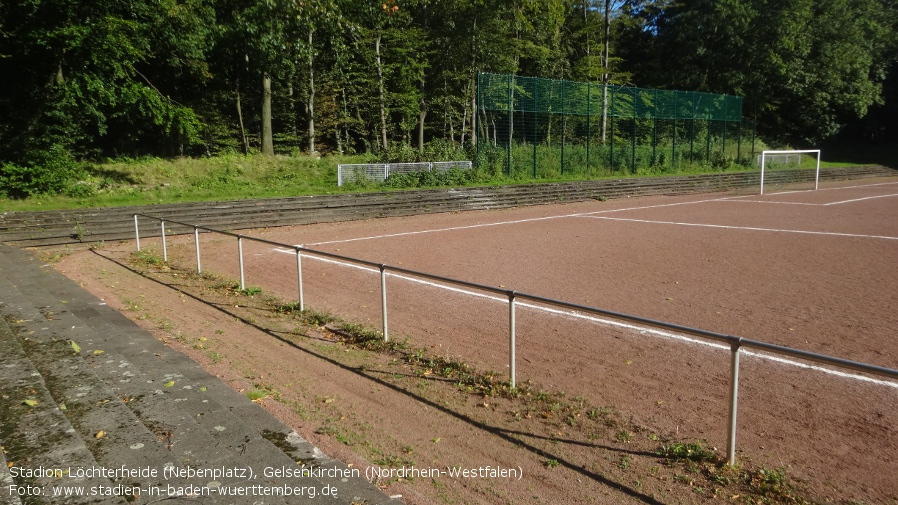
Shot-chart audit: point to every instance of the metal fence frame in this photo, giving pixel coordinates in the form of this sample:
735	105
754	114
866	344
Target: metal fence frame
378	172
548	127
736	343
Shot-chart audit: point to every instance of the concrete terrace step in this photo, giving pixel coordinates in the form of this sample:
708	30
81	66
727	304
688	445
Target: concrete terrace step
131	401
93	225
38	435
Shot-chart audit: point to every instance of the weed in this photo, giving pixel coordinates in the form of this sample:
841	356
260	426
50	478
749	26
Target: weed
78	232
551	463
317	318
256	394
694	452
147	259
772	484
623	462
261	391
251	291
392	461
683	479
624	436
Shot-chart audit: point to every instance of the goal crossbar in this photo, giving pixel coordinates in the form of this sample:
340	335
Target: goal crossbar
805	151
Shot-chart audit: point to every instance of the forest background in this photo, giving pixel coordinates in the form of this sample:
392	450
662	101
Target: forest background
88	81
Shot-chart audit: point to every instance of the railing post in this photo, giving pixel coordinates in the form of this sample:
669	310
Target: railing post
164	249
383	297
196	239
240	254
299	277
734	401
511	340
136	233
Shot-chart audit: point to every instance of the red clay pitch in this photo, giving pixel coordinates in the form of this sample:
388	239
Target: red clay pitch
812	270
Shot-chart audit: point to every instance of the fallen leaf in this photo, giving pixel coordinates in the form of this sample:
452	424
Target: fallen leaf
62	406
31	403
98	352
169	384
75	346
100	434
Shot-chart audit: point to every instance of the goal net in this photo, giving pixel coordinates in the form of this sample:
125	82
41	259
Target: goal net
791	169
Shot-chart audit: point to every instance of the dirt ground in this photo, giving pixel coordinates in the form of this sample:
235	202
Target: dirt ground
608	396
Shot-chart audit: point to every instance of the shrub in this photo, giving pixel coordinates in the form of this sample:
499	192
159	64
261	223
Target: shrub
52	172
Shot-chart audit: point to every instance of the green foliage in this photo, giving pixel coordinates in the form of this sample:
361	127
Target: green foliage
53	172
88	80
433	178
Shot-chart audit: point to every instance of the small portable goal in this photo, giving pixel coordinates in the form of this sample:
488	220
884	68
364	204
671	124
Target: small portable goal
767	155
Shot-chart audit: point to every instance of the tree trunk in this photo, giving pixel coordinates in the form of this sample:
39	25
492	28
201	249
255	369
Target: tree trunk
345	120
464	124
337	124
382	98
294	130
267	141
474	120
240	121
311	98
421	116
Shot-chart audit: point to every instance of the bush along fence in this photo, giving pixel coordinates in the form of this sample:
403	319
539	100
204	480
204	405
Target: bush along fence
545	128
736	344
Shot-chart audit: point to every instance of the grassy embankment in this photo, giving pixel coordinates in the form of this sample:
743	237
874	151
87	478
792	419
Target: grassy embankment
151	181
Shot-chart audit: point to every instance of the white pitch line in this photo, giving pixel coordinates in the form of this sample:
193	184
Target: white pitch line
585	214
502	223
749	228
860	199
608	322
439	230
771	201
562	216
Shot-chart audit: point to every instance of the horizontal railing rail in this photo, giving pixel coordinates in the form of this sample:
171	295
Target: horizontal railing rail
736	343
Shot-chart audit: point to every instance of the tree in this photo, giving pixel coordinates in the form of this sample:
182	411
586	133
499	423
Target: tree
84	67
809	65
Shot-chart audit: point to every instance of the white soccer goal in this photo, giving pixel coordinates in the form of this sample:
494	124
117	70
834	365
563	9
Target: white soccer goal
788	157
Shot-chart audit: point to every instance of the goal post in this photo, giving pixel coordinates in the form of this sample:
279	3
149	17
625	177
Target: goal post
767	155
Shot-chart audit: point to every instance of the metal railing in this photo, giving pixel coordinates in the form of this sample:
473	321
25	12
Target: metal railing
736	343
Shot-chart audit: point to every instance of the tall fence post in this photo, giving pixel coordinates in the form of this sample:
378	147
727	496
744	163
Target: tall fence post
240	257
511	340
734	402
136	233
383	299
588	125
196	239
299	277
510	120
164	248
